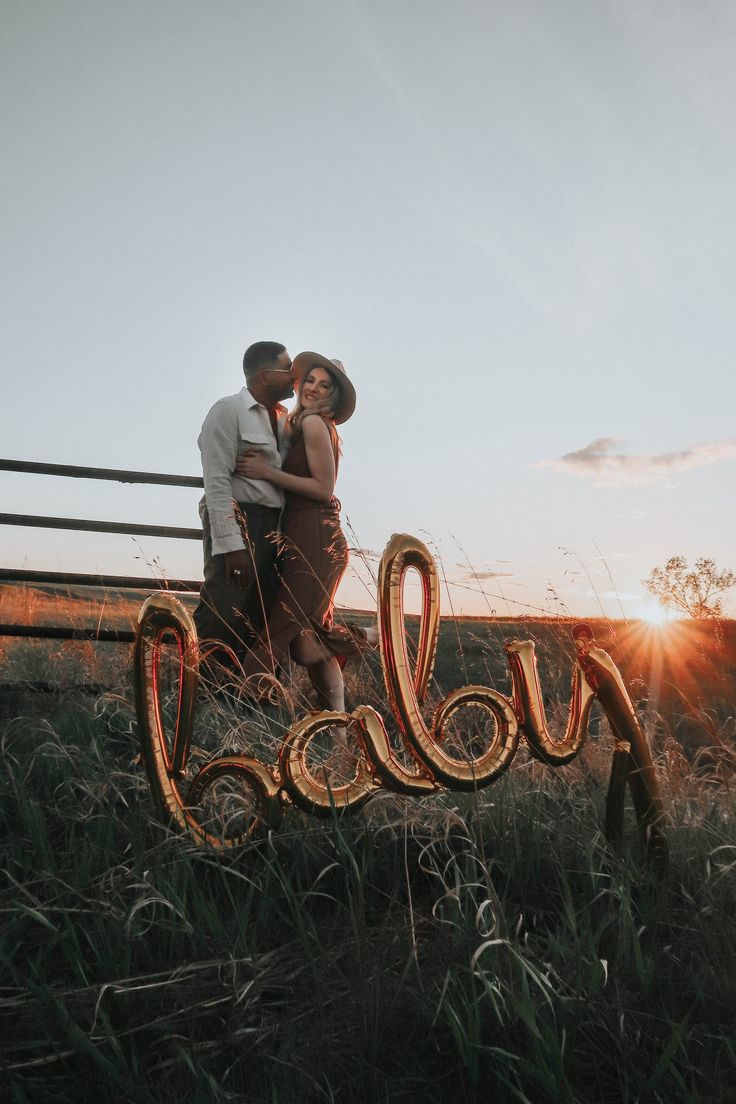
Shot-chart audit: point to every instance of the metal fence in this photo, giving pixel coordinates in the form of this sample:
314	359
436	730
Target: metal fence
118	582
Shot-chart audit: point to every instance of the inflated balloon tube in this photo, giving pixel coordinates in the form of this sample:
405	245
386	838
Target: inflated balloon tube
432	761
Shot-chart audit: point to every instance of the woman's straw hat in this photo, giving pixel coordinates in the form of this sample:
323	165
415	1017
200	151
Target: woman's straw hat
302	365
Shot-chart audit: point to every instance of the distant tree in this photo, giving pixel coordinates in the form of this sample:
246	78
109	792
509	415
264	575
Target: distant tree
695	592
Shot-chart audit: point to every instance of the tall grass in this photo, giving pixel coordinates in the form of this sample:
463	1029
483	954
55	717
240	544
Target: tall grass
458	948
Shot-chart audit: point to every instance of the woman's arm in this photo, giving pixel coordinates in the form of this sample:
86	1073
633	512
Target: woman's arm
319	484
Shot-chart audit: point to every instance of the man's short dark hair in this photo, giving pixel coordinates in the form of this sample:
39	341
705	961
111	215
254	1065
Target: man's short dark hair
259	355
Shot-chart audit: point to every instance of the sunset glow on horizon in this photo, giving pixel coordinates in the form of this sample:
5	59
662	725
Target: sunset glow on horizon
658	615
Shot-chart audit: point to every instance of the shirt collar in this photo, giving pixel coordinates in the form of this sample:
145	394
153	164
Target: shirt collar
250	402
248	399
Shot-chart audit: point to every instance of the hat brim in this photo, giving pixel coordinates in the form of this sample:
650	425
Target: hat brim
302	364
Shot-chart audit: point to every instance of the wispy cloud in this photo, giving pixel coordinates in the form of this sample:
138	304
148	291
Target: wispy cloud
483	576
506	562
600	460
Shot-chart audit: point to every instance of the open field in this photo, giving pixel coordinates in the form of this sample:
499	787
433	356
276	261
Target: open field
683	675
457	948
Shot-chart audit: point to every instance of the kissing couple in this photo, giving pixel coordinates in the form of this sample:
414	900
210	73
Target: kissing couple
274	551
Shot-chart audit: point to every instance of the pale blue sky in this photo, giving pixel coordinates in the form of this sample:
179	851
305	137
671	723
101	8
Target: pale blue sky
514	223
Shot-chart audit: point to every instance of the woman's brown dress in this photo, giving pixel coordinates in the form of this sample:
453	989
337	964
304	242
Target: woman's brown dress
313	559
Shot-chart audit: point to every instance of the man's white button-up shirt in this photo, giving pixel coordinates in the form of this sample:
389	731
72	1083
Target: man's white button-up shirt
234	425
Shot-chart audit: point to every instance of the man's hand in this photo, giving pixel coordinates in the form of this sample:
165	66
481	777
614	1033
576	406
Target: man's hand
252	465
237	567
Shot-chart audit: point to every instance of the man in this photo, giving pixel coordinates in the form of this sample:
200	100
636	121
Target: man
239	575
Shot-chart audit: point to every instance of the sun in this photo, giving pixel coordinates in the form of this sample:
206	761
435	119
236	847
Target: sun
656	615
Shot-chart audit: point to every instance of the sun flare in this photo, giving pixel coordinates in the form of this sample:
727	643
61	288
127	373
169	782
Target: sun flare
656	615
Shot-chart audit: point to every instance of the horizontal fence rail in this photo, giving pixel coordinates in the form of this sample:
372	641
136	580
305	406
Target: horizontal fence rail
65	632
74	471
100	581
111	582
88	526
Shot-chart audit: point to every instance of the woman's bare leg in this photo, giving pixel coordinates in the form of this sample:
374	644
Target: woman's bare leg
327	680
325	674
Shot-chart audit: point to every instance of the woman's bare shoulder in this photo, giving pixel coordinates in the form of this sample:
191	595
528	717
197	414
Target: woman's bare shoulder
315	427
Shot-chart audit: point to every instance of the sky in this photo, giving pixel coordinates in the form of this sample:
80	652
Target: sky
513	223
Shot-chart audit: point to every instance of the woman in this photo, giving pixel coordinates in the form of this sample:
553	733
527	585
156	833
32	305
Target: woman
314	554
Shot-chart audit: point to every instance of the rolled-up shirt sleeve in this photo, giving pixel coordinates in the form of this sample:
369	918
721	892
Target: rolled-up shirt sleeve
219	444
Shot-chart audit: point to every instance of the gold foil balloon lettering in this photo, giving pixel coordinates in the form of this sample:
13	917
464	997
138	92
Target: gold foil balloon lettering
432	762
